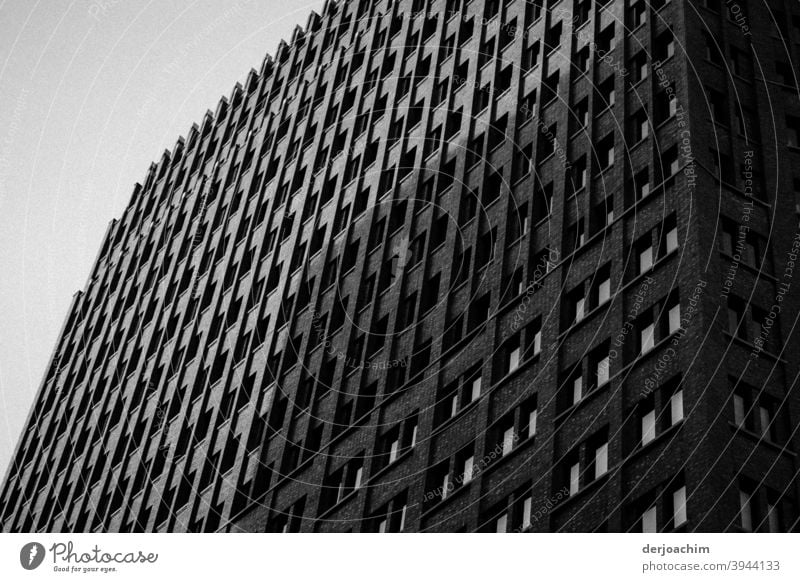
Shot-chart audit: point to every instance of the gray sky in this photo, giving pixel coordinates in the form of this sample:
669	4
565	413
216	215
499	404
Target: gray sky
92	92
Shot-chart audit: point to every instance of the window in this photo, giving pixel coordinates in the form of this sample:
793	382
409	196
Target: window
737	60
603	287
665	46
601	367
637	13
670	162
552	37
579	173
641	184
530	57
738	410
547	142
718	105
649	520
508	440
528	107
392	516
645	253
648	425
676	407
577	304
576	236
527	505
513	352
605	94
606	151
605	40
342	482
639	66
673	317
530	416
464	465
658	322
486	53
764	421
641	126
574	384
574	477
581	114
746	493
785	73
601	460
603	214
669	242
550	88
581	60
774	517
475	151
482	99
723	166
679	506
533	337
518	222
756	411
793	127
647	335
712	50
666	105
458	394
736	312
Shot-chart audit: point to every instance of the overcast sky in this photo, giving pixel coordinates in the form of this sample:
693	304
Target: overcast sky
92	92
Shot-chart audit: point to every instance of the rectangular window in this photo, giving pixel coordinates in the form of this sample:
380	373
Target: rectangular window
601	460
475	388
468	466
501	524
527	505
642	184
577	388
602	370
764	419
605	94
647	337
604	291
738	410
508	440
649	521
513	359
674	318
746	510
648	426
532	417
574	478
536	340
638	11
676	407
679	506
646	259
639	66
641	126
606	151
671	238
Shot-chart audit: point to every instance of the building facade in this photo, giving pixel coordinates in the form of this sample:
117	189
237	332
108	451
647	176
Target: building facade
450	265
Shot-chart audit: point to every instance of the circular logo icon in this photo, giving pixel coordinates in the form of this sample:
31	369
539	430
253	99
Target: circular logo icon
31	555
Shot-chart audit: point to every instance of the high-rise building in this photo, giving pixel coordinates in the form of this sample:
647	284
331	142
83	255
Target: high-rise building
451	265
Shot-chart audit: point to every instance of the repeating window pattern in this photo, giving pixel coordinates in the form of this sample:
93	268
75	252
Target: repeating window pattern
310	287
